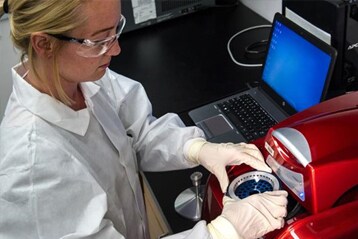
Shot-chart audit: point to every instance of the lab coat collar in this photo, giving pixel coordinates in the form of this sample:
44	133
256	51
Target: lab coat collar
50	109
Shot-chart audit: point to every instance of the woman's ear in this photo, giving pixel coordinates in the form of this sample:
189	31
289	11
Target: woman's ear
42	44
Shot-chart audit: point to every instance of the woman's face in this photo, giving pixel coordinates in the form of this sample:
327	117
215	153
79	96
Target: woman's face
102	20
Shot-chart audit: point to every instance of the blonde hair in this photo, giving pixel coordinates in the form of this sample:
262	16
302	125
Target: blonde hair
1	8
48	16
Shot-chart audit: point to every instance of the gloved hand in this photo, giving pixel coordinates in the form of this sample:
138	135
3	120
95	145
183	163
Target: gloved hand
215	157
251	217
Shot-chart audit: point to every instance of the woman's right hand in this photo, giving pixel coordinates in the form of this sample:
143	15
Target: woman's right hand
251	217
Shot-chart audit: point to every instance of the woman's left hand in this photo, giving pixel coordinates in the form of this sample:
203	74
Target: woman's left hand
215	157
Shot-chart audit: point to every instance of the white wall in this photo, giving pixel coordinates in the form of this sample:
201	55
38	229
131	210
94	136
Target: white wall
265	8
8	58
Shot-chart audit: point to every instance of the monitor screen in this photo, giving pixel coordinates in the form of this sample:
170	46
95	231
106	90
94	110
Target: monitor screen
295	69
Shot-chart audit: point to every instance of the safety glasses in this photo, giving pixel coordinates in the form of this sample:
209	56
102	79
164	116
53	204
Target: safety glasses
89	48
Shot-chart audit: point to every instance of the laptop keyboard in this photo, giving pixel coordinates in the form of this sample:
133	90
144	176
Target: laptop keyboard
247	116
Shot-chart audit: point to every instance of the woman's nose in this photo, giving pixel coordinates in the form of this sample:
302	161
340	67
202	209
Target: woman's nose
115	49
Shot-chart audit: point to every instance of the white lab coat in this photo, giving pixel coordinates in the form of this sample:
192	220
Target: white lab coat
74	174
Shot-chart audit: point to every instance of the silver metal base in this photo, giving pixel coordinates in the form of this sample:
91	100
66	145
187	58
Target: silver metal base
188	205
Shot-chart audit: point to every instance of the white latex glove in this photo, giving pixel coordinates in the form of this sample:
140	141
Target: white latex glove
251	217
215	157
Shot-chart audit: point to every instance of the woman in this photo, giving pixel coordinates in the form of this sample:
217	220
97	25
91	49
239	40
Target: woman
74	132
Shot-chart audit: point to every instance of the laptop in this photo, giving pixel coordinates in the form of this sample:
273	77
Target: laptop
295	76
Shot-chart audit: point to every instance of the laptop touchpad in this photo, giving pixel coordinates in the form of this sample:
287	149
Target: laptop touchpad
215	126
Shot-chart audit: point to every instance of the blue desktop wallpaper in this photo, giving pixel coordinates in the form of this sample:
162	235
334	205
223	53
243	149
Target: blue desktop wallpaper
295	68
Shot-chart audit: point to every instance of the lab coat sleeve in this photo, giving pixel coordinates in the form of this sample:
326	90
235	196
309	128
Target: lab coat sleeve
158	142
48	193
199	231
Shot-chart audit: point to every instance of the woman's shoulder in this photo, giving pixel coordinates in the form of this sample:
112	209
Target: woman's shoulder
118	86
117	80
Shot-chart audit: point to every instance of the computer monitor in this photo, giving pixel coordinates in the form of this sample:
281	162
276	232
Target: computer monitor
142	13
297	67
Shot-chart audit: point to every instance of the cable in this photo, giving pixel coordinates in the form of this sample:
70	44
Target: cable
238	33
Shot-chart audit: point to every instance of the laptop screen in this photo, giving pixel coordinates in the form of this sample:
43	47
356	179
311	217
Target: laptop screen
295	68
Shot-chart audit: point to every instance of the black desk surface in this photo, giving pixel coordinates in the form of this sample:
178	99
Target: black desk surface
183	63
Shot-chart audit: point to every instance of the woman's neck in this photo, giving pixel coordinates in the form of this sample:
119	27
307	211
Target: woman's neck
72	90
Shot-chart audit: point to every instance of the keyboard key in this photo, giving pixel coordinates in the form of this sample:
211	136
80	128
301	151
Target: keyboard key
247	116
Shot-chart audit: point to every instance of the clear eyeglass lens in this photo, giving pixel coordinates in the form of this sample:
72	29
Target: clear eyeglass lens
92	49
97	49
